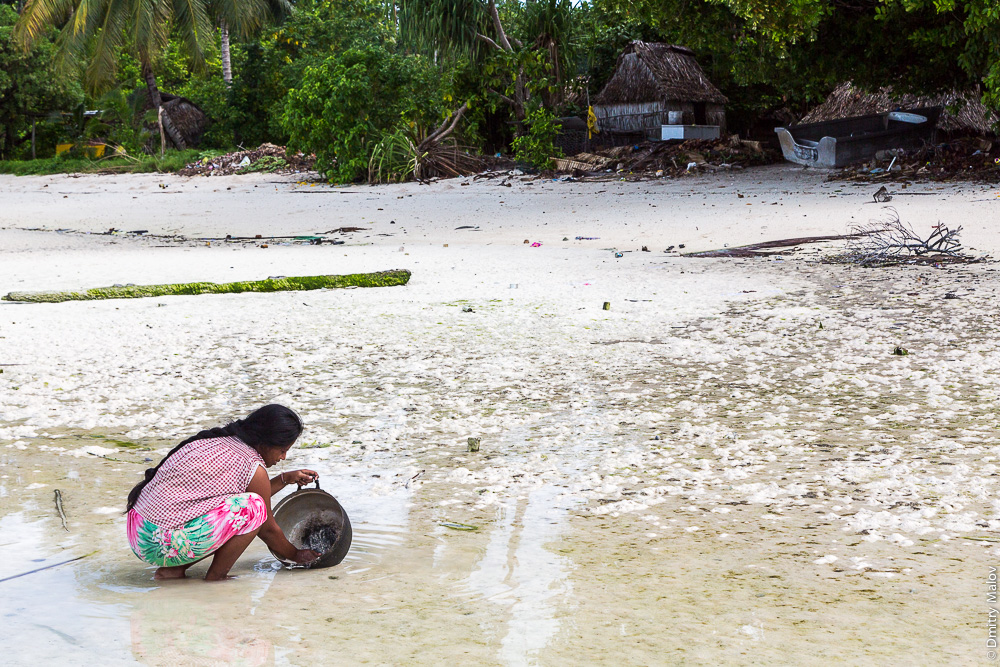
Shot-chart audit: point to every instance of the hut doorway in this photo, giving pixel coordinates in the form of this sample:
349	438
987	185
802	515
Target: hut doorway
700	113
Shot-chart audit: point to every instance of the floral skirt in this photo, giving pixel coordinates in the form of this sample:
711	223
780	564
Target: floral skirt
199	537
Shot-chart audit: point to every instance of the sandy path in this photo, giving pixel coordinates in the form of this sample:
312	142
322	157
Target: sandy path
702	212
728	466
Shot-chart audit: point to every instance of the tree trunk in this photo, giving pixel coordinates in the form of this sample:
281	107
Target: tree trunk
227	66
154	96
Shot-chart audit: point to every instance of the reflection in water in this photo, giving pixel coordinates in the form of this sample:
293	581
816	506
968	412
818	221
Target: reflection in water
44	619
490	578
255	620
531	580
209	625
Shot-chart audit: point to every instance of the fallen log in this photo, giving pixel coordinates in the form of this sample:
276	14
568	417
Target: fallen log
379	279
755	249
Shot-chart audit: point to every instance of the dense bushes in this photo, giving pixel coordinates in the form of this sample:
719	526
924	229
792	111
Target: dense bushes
29	88
349	103
536	147
361	82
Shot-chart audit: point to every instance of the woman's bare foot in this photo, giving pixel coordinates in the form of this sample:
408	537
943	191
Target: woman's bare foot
175	572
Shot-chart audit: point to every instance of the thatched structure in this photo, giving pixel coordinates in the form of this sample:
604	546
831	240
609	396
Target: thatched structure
652	79
188	118
963	113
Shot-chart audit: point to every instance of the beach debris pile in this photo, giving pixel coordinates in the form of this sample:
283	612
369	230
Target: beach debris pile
266	158
962	159
668	159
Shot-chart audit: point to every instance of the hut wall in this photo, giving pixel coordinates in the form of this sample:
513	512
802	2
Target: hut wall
632	117
716	115
647	117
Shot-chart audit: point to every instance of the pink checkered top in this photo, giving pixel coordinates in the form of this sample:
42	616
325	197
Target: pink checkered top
196	479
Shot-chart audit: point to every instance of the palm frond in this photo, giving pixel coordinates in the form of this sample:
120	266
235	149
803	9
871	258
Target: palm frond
109	43
243	17
443	26
38	16
194	27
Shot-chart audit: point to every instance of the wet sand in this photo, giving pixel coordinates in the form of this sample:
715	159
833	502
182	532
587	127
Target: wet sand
730	465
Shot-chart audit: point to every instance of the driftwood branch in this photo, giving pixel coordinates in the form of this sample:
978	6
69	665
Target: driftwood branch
892	240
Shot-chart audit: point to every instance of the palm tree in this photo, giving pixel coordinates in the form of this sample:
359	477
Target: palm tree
107	27
244	19
474	28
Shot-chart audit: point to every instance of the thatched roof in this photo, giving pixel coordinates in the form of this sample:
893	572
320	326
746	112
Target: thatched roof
963	111
187	116
650	72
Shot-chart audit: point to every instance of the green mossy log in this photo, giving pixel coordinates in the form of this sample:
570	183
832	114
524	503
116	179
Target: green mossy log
379	279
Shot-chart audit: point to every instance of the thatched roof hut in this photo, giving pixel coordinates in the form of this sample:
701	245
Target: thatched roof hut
652	79
963	113
187	117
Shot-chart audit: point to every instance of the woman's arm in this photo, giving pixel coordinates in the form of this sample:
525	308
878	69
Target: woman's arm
270	532
300	477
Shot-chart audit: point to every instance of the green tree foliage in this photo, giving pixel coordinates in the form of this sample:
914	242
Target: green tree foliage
537	146
763	53
345	105
28	87
264	70
507	36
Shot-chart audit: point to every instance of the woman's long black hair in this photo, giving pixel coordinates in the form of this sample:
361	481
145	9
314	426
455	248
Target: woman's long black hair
269	426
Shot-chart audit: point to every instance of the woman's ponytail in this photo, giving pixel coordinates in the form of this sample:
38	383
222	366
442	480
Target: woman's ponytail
269	426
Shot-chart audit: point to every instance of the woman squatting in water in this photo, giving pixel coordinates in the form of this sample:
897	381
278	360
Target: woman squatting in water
210	496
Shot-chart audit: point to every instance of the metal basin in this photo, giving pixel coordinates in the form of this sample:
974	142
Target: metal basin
313	519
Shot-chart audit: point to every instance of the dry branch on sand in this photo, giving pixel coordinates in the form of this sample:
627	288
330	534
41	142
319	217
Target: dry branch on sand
891	241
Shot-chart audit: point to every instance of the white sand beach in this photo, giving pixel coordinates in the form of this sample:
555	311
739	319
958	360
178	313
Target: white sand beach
727	466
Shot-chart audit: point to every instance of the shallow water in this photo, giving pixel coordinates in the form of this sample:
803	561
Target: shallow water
751	487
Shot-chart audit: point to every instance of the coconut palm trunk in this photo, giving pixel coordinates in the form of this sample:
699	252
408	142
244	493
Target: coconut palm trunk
227	66
154	97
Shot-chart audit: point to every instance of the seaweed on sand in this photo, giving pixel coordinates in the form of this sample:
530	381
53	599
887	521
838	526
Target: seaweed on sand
379	279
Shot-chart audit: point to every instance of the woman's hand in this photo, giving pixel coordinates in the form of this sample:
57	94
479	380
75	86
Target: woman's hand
300	477
305	556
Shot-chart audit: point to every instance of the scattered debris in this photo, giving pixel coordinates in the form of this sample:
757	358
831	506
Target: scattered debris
658	159
265	158
454	526
900	351
961	159
474	444
882	195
